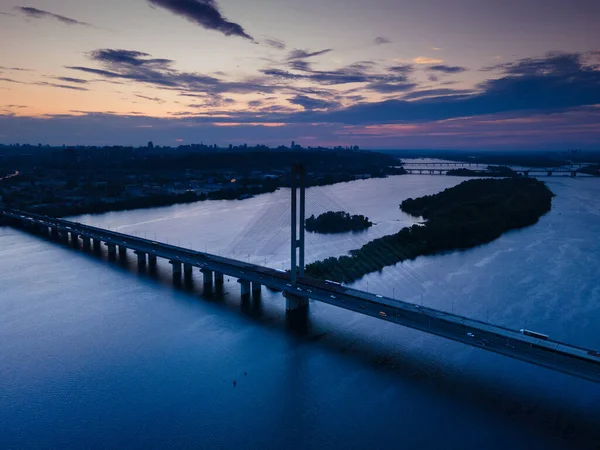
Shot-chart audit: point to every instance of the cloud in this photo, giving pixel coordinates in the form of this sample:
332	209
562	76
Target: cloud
508	131
310	103
10	80
391	87
60	86
436	93
303	54
426	60
152	99
71	80
556	82
437	49
129	57
41	14
405	69
380	40
204	13
447	69
359	72
140	67
300	65
16	69
275	43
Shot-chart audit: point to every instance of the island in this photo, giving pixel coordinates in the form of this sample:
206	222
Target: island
472	213
337	222
491	171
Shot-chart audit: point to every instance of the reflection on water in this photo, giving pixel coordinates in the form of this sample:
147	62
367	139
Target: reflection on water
94	354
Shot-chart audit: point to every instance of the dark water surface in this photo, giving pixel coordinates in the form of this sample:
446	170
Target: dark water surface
94	354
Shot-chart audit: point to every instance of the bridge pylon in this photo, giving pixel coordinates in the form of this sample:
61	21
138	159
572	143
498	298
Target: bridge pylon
298	186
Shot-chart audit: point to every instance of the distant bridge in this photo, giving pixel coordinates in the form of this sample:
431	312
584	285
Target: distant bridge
442	168
533	348
523	172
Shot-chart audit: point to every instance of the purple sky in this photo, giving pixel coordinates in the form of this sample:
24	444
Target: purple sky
475	74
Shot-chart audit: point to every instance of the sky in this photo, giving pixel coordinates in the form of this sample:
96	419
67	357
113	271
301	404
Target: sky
380	74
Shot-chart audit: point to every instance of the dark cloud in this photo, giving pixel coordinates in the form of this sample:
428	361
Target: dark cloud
405	68
205	13
60	86
140	67
152	99
10	80
300	65
303	54
275	43
309	103
380	40
255	103
354	73
16	69
41	14
555	63
71	80
446	69
544	85
128	57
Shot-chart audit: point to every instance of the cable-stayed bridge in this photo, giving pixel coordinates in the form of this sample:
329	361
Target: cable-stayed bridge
298	289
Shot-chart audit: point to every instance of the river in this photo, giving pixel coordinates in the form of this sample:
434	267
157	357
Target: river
95	355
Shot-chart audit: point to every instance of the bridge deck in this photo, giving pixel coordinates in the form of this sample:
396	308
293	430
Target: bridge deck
552	354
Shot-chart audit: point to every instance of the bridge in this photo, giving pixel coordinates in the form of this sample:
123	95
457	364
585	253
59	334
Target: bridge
530	347
442	168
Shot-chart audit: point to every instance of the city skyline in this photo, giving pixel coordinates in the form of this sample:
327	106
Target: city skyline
382	74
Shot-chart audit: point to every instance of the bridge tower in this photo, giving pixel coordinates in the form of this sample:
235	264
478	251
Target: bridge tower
298	221
295	302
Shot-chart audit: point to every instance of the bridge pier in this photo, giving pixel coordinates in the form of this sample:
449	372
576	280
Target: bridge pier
87	243
245	288
54	234
187	272
141	259
64	237
112	250
97	245
574	173
549	173
256	288
176	269
152	262
207	278
295	302
219	279
122	252
74	239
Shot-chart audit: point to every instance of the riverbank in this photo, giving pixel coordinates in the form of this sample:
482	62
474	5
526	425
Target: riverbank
71	182
473	213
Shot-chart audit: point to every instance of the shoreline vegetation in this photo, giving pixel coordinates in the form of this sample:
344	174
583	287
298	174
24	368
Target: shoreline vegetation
472	213
332	222
491	171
